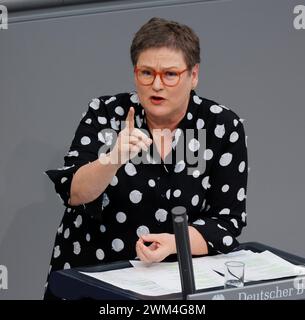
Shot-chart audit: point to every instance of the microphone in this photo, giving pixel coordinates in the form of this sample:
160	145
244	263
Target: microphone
183	251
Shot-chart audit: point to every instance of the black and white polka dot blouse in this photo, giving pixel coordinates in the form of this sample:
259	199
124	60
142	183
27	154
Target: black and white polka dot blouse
141	195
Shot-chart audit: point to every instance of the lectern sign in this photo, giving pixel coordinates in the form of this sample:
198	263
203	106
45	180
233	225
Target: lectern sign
289	289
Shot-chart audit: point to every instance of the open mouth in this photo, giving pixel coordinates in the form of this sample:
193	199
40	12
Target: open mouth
156	99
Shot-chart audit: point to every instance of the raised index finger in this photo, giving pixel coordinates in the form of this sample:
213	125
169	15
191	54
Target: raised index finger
130	119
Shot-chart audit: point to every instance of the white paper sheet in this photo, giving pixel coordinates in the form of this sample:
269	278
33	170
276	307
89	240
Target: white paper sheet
168	274
259	266
130	279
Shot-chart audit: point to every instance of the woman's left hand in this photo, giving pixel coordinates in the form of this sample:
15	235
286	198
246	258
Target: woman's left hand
162	245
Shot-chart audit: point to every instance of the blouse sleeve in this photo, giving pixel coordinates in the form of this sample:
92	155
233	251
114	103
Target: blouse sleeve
85	148
224	214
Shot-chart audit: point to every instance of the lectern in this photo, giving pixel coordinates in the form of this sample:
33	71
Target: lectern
71	284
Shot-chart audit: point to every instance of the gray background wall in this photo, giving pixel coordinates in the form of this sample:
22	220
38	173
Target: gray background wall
253	62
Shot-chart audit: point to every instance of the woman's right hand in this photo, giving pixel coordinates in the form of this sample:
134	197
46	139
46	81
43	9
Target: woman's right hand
130	142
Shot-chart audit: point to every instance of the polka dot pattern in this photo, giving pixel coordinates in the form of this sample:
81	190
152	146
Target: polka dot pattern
139	197
177	193
117	245
225	211
196	173
78	221
227	240
56	251
134	98
215	108
67	233
225	159
102	120
234	137
208	154
85	140
168	194
195	200
200	124
151	183
142	230
121	217
114	181
199	222
179	166
100	254
119	110
197	100
194	145
135	196
225	188
161	215
219	131
76	248
241	167
130	169
241	194
95	104
205	183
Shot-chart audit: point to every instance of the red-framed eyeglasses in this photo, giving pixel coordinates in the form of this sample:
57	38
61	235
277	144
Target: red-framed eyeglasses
146	76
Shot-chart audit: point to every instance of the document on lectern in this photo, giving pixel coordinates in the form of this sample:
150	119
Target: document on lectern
164	278
258	266
156	279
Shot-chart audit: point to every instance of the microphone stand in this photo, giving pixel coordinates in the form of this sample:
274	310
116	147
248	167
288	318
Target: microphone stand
183	251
